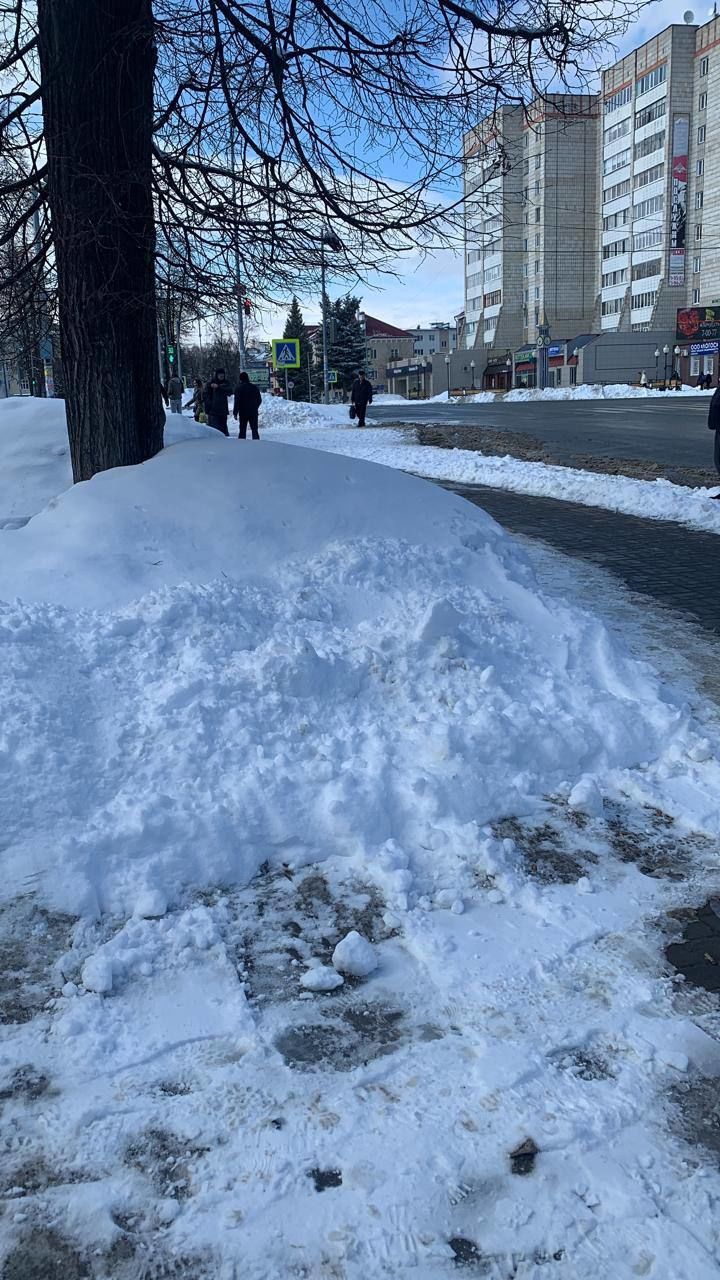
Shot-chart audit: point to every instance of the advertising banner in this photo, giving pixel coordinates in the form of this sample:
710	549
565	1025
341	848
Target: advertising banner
678	211
698	324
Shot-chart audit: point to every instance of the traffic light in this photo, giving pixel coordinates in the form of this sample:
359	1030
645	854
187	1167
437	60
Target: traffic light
247	306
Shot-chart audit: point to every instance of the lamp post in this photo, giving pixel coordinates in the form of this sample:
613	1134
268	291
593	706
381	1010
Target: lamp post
666	352
543	352
447	371
328	238
472	375
676	366
508	366
657	357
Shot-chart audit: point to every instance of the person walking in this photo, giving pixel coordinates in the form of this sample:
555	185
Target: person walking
175	388
197	404
245	407
217	391
643	378
714	425
361	397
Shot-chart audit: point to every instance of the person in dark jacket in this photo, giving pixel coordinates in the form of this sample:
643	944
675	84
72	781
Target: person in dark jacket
361	397
217	409
714	425
245	407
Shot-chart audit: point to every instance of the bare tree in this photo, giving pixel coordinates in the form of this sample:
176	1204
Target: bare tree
242	131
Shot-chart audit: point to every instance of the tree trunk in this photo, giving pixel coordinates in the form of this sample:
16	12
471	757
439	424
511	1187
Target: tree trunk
97	63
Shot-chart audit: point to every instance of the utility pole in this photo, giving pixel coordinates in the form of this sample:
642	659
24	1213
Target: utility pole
239	287
309	378
326	390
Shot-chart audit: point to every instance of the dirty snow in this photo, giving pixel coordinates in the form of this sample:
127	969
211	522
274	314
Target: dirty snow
258	700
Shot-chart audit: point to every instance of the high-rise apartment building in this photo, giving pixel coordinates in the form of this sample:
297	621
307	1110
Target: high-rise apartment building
531	195
647	100
493	163
703	204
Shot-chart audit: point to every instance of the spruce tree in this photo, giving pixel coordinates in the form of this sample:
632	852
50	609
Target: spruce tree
295	328
347	348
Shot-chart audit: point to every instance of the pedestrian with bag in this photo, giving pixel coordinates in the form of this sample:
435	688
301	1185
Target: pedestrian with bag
360	398
714	425
197	404
217	409
245	407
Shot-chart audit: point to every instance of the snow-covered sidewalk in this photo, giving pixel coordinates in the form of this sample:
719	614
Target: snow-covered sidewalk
258	698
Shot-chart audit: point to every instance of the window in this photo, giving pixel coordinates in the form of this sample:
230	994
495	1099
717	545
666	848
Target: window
612	307
614	220
537	241
704	66
648	114
538	160
702	102
611	278
526	140
653	174
618	161
526	269
699	168
526	295
537	293
612	250
537	215
493	273
647	207
537	186
527	219
698	199
642	300
698	231
647	239
526	165
701	133
648	145
493	299
526	193
650	81
525	245
696	296
537	267
696	264
573	375
642	270
618	99
616	191
616	131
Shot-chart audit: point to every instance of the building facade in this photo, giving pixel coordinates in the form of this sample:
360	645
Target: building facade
384	343
435	339
531	222
648	101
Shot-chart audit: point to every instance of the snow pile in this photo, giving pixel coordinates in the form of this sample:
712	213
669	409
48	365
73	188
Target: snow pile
35	455
240	659
257	640
472	397
652	499
599	391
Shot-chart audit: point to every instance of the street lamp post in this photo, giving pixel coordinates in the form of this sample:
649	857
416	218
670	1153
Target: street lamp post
447	370
508	366
328	238
657	357
666	352
472	375
543	352
676	367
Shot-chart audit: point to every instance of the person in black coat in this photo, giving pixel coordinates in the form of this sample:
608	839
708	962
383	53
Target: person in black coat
714	425
361	397
245	407
217	391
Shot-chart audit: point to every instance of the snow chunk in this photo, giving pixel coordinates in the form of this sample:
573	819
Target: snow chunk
321	979
97	974
585	797
151	904
355	956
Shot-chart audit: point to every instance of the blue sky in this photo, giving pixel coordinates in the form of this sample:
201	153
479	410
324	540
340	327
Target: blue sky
433	289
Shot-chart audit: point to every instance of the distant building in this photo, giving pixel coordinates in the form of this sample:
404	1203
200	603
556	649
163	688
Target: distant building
384	343
437	339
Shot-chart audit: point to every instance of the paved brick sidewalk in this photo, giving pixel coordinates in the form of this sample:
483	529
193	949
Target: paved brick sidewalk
675	566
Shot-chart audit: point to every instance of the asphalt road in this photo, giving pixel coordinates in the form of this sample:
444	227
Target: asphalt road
670	431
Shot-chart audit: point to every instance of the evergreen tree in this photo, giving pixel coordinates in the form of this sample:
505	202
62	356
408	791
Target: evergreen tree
347	344
295	328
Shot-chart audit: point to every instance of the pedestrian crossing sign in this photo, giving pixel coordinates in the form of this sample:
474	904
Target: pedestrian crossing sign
286	353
